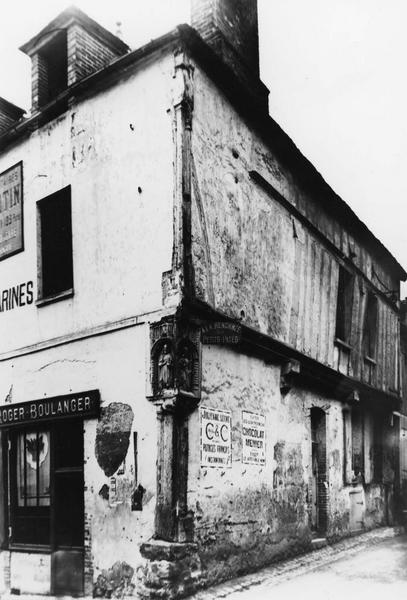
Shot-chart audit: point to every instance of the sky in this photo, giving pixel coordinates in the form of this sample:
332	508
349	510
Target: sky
337	80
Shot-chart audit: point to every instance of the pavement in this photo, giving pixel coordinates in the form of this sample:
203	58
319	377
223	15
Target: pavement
369	566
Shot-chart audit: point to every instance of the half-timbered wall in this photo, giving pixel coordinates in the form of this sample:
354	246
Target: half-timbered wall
264	251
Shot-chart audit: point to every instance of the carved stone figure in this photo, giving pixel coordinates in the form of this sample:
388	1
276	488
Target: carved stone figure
185	370
165	369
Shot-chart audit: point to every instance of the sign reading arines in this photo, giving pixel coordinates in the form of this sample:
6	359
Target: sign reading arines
11	211
84	404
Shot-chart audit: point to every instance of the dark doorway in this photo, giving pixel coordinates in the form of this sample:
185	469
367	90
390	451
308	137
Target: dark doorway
319	513
46	498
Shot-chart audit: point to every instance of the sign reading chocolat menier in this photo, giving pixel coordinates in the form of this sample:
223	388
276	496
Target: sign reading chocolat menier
83	404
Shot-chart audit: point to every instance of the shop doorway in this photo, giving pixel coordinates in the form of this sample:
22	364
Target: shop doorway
46	508
319	515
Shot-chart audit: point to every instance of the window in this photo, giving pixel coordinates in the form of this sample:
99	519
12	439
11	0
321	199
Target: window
370	326
358	458
363	445
354	445
55	233
46	485
378	449
53	60
30	492
344	305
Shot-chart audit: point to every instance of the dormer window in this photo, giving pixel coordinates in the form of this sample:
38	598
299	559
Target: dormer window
53	68
69	48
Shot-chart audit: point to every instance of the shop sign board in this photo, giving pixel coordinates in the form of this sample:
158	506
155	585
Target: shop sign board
11	211
83	404
216	437
221	333
253	438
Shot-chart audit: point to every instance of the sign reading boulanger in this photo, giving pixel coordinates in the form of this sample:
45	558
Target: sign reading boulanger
11	211
216	437
84	404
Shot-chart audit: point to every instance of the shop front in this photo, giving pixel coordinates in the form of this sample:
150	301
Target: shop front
43	450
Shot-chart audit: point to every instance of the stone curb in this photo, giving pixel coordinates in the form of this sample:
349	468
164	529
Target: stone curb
284	570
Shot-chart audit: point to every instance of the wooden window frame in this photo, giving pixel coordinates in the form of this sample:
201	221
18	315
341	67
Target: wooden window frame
10	485
63	291
370	327
344	305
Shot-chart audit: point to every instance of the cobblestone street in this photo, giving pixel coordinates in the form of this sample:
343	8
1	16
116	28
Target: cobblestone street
373	563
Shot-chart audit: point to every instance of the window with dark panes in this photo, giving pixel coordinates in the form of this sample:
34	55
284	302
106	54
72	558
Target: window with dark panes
357	444
344	305
54	59
378	449
46	485
30	493
370	326
55	231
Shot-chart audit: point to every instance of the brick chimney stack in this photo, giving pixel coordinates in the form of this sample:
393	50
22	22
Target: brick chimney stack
230	27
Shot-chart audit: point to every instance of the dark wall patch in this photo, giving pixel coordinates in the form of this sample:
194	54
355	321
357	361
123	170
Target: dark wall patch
104	492
112	436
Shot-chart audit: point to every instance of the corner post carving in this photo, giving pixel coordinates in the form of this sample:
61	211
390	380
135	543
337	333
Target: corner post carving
175	381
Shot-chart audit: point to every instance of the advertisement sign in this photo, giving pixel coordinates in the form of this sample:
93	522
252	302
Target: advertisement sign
253	438
11	211
216	437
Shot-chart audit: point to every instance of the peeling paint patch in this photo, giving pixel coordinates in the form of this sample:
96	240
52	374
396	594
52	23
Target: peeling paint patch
104	492
115	582
112	436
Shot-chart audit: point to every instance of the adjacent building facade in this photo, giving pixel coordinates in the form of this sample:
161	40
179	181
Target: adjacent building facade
199	340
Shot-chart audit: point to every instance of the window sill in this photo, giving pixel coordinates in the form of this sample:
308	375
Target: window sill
342	344
56	298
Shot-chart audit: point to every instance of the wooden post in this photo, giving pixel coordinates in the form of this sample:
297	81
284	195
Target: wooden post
165	528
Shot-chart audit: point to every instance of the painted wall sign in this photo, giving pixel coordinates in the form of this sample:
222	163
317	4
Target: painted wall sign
84	404
253	438
216	437
18	295
221	333
11	211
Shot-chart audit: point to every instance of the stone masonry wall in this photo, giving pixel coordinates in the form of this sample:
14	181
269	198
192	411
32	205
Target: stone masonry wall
248	515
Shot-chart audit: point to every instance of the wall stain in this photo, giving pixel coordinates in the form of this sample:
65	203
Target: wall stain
113	436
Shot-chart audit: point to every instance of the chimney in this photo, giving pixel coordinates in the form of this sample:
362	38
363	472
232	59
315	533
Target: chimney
9	114
230	27
68	49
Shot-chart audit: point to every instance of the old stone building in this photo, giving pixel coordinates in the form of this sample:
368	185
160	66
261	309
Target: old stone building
199	340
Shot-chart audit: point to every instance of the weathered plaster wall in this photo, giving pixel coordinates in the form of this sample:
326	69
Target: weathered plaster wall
117	157
116	365
247	515
219	130
250	254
